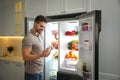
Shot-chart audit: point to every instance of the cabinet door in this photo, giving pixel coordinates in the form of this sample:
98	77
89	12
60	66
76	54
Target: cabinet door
8	17
18	71
73	6
53	7
19	17
34	8
11	70
6	74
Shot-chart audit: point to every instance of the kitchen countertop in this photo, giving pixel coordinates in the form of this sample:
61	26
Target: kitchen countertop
13	58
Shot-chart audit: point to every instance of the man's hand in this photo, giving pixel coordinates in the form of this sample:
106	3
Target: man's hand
46	52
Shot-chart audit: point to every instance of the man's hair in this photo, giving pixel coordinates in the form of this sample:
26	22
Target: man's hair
40	18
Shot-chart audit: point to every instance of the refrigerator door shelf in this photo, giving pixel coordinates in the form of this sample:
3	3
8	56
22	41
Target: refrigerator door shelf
85	47
86	27
85	75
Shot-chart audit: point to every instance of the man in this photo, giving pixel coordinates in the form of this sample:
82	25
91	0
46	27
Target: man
32	50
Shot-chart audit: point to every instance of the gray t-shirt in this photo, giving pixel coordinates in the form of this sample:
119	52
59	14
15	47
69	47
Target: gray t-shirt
32	41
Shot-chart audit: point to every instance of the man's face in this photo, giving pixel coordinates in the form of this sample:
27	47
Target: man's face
40	27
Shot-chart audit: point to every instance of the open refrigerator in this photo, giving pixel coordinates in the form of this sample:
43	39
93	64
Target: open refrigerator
77	47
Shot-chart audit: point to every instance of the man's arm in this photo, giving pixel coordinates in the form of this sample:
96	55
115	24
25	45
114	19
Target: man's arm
27	56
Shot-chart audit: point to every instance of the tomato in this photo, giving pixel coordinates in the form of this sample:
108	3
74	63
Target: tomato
67	56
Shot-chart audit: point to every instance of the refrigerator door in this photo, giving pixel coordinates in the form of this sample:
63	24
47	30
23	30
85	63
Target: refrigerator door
51	62
89	28
68	45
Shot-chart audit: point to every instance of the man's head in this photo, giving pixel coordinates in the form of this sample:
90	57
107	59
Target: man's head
39	23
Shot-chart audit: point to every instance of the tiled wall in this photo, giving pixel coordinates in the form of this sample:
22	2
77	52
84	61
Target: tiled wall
16	42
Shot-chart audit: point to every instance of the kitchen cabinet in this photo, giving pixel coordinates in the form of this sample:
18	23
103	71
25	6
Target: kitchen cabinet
8	17
34	8
19	17
58	7
11	70
17	70
53	7
4	71
14	13
9	26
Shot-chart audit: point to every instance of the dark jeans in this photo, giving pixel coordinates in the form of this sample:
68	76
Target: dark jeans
29	76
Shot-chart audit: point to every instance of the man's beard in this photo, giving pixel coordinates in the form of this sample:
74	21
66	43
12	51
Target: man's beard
39	31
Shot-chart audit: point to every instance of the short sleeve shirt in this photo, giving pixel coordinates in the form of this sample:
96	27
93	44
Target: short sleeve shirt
32	41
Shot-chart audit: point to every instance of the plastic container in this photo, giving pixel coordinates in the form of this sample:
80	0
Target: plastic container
86	44
86	27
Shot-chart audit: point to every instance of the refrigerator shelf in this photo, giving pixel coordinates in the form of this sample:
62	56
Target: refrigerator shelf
69	65
70	38
63	68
